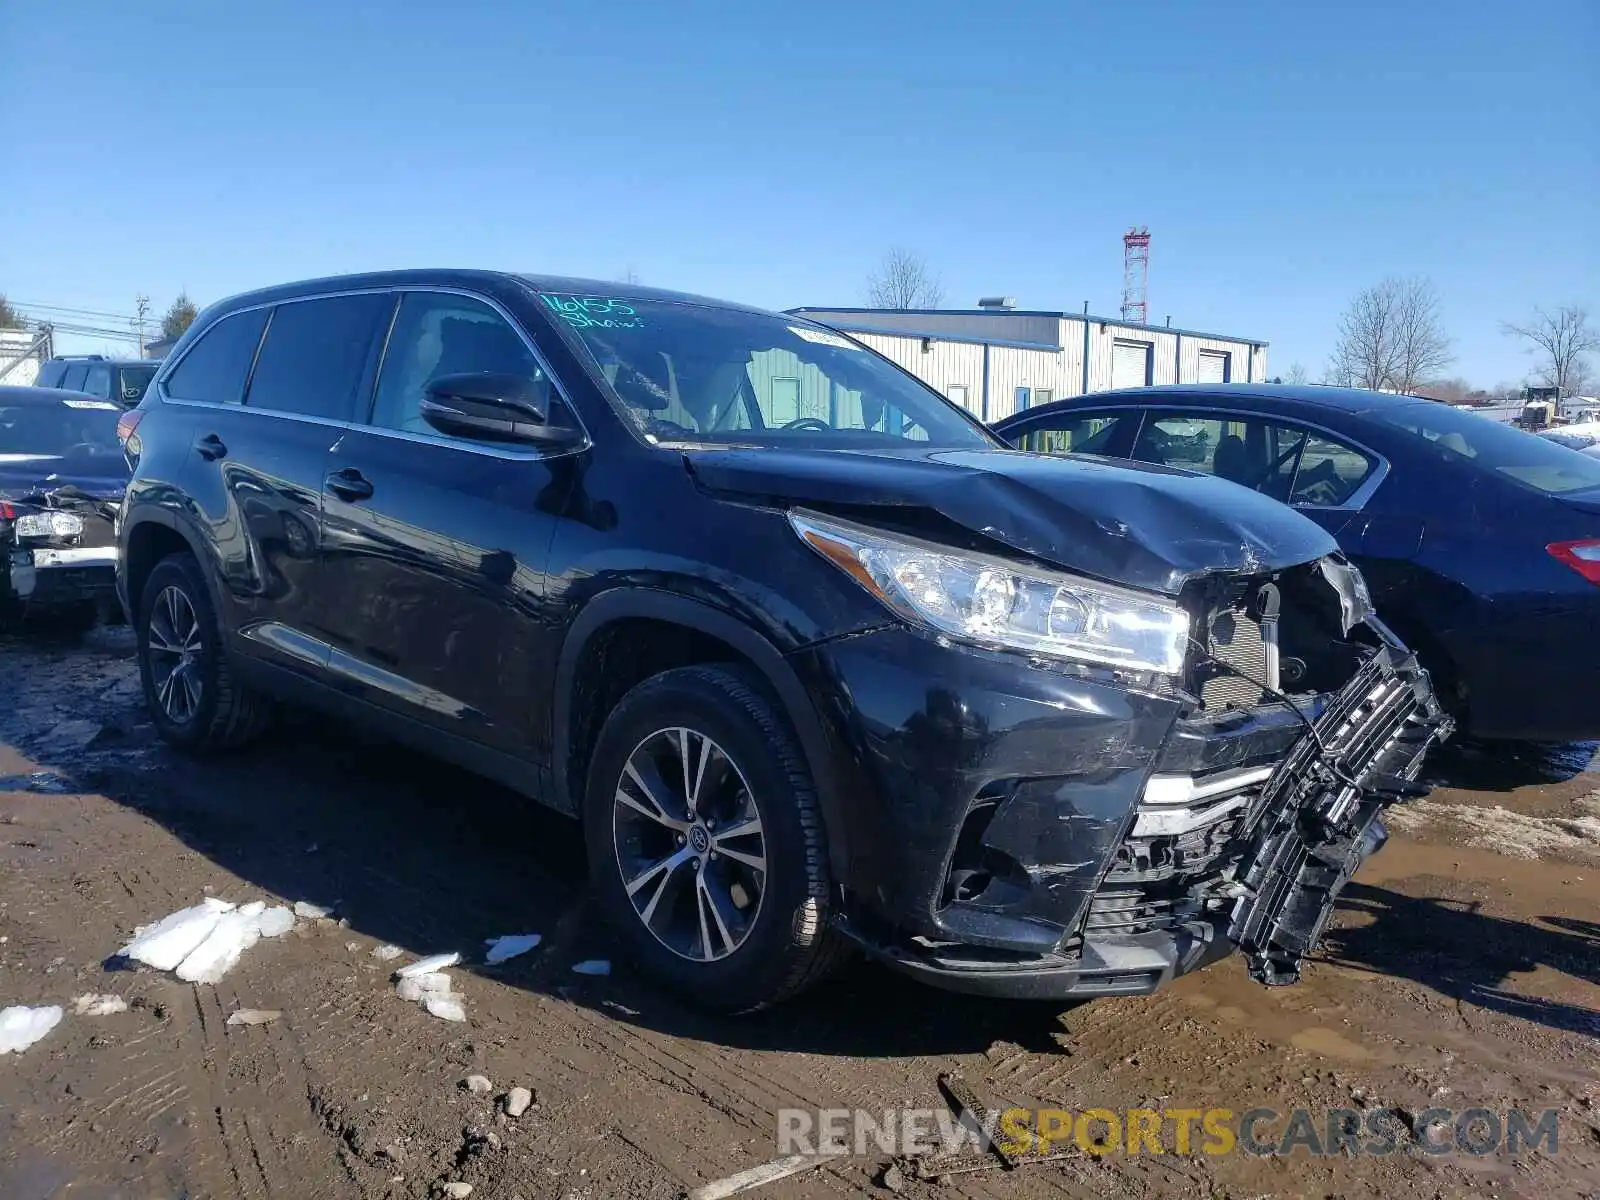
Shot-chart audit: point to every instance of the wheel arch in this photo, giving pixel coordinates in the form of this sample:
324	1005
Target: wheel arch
149	539
709	635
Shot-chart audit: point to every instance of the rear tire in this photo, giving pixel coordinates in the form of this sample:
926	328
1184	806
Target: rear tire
189	688
696	777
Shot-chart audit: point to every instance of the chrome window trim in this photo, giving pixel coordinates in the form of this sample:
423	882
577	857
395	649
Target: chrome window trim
1358	498
398	291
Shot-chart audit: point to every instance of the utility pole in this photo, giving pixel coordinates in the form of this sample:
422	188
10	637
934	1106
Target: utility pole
141	309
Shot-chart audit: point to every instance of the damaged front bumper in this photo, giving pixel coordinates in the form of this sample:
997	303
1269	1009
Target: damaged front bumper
1092	839
51	577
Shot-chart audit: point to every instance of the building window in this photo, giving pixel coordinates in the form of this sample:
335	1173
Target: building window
1024	396
957	392
1043	396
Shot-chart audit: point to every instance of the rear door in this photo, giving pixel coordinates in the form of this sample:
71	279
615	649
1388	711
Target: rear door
435	545
257	468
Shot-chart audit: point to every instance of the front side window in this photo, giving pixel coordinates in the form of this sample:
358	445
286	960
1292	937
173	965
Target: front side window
1468	437
686	372
437	333
215	367
1073	433
315	354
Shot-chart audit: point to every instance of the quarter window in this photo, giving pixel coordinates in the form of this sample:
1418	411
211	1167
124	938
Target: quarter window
315	355
437	333
1329	474
216	365
97	382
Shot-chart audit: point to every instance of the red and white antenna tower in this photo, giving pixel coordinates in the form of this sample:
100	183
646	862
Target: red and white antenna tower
1136	275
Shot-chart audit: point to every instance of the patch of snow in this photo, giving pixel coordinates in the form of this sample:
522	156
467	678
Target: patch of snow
311	912
173	938
417	988
386	952
592	966
1513	834
426	966
230	937
254	1016
502	948
446	1008
92	1004
21	1027
276	922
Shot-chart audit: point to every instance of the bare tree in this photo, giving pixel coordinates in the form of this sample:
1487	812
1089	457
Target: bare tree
1560	340
1297	373
10	318
1391	336
629	276
903	280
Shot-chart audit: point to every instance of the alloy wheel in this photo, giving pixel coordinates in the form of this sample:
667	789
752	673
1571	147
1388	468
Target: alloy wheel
689	844
175	647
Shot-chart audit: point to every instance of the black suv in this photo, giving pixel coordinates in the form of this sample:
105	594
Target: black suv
817	660
120	380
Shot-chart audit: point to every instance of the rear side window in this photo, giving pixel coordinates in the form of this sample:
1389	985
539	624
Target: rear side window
97	382
316	355
215	367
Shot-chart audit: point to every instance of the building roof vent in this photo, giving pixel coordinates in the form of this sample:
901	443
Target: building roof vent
998	302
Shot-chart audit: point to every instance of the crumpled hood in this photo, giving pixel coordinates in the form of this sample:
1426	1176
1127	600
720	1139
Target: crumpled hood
1142	526
25	476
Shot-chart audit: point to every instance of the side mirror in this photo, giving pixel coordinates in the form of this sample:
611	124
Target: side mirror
492	406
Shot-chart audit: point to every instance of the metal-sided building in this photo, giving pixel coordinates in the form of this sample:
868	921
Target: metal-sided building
998	360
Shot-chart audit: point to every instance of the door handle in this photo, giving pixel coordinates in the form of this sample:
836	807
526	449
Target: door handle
210	447
347	483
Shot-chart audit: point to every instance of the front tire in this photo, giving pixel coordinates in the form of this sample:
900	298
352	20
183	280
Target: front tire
189	688
706	844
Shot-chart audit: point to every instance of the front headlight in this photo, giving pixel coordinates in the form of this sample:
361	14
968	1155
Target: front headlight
50	524
993	602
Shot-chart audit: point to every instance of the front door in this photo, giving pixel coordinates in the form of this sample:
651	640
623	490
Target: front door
435	546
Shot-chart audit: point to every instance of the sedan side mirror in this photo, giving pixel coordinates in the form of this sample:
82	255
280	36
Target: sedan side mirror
491	406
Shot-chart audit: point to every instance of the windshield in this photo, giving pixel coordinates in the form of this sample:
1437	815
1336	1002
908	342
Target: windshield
684	372
135	380
86	427
1530	460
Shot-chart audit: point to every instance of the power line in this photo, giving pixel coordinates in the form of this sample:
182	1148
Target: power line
75	312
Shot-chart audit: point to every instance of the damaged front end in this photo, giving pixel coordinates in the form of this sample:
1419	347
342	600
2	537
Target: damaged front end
1225	811
58	550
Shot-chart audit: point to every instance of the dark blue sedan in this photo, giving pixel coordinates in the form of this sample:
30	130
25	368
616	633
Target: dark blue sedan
1481	543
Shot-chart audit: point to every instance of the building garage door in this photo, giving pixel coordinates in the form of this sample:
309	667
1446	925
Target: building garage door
1214	366
1130	364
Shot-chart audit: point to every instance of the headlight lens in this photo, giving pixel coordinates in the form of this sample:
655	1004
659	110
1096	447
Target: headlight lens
993	602
49	524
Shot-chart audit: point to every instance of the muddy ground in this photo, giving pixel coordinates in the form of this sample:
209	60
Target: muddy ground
1464	970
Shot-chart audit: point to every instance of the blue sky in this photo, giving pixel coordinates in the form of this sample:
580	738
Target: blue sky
1283	155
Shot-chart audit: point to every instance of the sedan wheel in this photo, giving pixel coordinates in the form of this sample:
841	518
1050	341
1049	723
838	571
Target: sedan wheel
689	844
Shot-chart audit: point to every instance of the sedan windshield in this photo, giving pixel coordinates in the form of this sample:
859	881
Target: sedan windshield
1532	461
686	372
82	427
